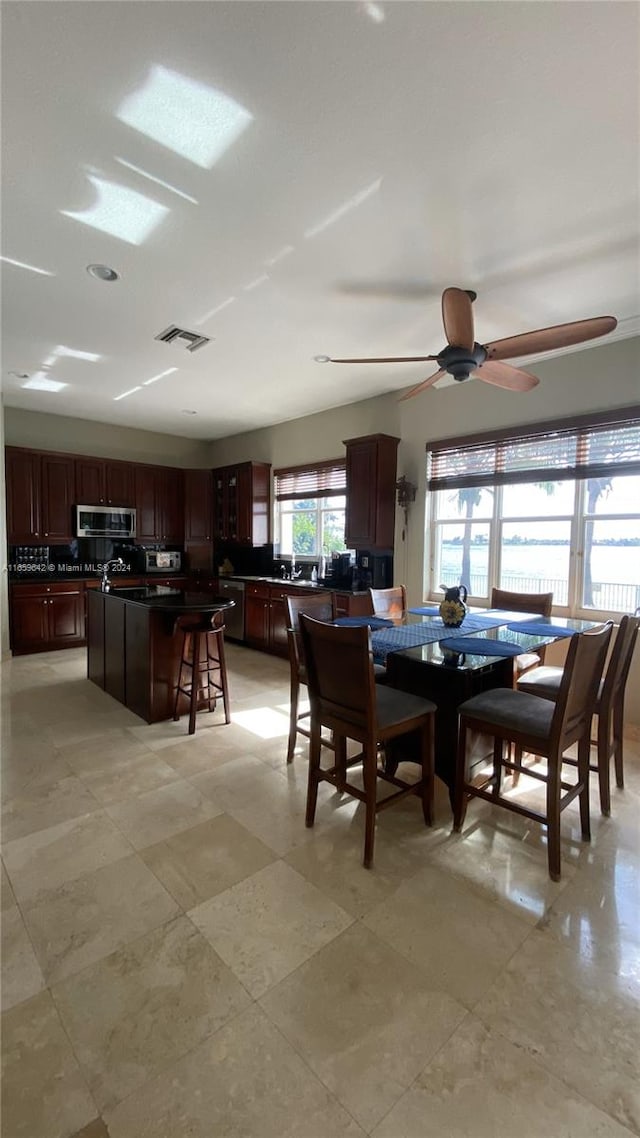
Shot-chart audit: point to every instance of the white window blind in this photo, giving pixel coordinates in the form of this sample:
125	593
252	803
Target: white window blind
321	480
590	446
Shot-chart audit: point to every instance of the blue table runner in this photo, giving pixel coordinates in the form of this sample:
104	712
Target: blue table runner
482	646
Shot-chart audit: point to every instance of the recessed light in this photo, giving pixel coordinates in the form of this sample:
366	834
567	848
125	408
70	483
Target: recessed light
185	412
40	382
322	359
103	273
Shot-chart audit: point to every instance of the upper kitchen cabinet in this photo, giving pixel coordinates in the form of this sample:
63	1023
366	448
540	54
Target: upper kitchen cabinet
40	496
105	482
371	491
241	503
198	505
158	499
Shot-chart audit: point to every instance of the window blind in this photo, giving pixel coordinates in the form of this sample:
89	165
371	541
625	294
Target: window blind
321	480
591	446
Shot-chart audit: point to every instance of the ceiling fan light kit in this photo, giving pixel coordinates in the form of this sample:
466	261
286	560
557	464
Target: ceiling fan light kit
464	358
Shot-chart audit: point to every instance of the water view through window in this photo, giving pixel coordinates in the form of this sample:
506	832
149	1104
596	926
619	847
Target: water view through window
579	540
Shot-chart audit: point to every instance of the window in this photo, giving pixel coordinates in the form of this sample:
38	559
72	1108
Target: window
310	504
551	507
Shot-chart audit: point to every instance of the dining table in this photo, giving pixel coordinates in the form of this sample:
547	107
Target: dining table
449	665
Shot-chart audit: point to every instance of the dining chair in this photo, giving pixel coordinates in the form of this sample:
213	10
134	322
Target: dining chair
538	603
346	700
542	728
389	602
608	705
322	606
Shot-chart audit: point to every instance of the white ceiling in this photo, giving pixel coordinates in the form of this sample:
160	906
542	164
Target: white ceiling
392	149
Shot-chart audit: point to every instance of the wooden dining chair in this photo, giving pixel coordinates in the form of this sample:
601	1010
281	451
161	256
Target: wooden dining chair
346	700
542	728
389	602
322	606
608	706
538	603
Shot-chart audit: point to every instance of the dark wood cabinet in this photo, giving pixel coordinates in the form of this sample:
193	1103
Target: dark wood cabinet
267	616
256	616
105	482
158	496
371	492
40	496
241	503
198	505
46	617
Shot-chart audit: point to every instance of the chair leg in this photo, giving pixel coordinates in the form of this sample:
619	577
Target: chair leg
193	701
294	700
340	751
459	801
427	772
222	663
584	748
553	817
604	754
517	758
313	780
498	751
370	783
618	732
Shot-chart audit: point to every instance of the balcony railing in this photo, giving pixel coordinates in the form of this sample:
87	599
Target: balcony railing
608	596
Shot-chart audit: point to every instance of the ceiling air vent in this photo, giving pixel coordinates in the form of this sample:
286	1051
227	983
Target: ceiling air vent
191	340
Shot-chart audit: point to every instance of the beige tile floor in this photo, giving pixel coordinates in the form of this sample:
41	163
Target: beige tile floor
181	958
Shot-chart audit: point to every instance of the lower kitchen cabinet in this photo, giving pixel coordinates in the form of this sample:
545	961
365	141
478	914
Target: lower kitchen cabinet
353	604
46	617
267	616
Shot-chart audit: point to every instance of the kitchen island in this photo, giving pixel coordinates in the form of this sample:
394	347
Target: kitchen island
134	645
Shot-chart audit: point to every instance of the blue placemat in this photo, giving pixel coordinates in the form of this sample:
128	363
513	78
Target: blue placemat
360	621
481	646
540	628
424	611
403	636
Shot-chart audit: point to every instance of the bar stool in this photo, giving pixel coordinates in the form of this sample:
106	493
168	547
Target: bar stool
202	656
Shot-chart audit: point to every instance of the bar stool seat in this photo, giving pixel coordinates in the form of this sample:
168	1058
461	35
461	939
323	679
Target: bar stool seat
202	659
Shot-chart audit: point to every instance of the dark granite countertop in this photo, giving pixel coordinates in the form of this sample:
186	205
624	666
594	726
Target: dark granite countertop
170	600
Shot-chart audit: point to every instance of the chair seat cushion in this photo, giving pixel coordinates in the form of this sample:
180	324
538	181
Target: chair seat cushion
526	660
544	681
392	705
516	710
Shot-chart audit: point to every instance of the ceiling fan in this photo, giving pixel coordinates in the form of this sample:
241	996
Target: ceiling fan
463	357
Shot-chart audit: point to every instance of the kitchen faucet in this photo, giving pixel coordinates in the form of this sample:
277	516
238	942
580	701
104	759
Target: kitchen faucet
106	583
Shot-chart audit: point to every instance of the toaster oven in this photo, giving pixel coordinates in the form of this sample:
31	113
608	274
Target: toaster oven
162	560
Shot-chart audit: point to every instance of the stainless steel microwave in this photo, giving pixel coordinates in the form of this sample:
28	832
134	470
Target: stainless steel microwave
105	521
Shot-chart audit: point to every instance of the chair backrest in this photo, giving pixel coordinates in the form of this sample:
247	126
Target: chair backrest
538	603
389	602
319	605
579	685
615	678
340	674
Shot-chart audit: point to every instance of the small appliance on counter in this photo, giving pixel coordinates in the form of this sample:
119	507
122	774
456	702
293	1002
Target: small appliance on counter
373	571
162	561
339	571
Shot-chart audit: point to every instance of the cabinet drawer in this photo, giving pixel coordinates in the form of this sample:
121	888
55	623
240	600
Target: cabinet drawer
42	590
258	590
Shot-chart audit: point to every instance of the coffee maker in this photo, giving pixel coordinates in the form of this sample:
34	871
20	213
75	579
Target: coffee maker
373	571
339	570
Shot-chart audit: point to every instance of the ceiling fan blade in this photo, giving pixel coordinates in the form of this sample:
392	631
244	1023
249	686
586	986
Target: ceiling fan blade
423	386
378	360
457	317
505	375
545	339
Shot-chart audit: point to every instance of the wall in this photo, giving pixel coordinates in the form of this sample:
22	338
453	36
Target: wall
103	440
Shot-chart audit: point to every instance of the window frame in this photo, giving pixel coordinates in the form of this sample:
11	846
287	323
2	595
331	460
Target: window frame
319	481
453	471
